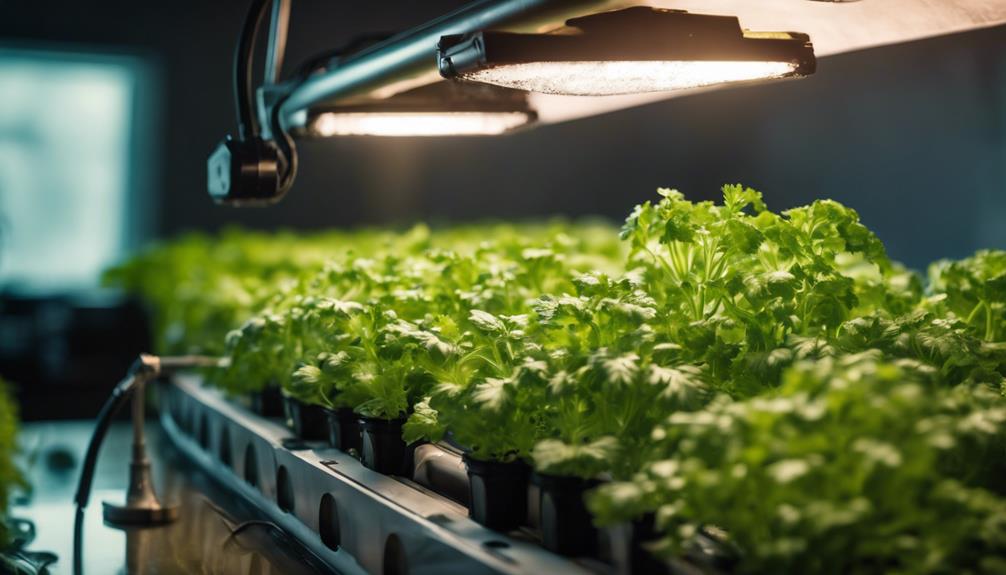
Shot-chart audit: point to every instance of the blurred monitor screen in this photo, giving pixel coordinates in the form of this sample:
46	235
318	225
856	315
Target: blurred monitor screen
67	160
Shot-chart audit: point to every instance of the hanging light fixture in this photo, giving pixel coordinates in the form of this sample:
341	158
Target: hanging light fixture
440	109
634	50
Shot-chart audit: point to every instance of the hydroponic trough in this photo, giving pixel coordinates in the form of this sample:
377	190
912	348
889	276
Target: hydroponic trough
354	519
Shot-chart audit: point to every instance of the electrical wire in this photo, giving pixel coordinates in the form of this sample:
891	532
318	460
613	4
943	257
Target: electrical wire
295	548
285	142
244	95
120	394
244	73
78	542
236	531
287	149
275	531
145	368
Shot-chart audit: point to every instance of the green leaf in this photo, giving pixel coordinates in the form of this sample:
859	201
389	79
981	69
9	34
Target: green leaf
491	394
423	424
585	460
620	370
682	383
486	321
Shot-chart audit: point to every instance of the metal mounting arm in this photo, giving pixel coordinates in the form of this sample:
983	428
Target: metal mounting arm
260	166
279	24
142	506
408	60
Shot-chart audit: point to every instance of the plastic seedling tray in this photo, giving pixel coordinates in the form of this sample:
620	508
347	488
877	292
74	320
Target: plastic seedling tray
354	519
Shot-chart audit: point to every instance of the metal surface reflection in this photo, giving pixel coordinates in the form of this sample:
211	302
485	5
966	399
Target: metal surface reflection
217	534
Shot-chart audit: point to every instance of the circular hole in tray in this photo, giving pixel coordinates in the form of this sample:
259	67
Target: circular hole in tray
395	561
251	466
177	409
328	522
295	444
189	417
183	416
284	490
225	447
204	432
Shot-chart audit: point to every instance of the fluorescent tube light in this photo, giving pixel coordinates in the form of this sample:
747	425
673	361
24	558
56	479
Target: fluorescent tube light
440	109
418	123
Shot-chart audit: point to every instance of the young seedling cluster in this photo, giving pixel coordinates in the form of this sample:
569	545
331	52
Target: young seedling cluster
772	377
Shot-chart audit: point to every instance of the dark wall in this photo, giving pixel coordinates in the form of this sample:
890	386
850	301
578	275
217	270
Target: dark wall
914	135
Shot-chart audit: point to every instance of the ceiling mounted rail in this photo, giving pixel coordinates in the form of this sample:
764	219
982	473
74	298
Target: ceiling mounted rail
408	60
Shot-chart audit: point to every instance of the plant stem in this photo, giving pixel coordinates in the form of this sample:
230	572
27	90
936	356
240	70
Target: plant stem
989	332
974	312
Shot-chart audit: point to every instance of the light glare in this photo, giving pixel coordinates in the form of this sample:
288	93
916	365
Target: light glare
599	78
418	123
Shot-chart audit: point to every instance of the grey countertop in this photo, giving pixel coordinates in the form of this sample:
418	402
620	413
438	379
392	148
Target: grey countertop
217	533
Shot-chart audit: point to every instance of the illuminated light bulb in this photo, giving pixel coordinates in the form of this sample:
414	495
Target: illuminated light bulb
403	124
634	50
611	78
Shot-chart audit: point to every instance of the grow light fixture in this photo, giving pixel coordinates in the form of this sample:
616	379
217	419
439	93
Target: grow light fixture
441	109
634	50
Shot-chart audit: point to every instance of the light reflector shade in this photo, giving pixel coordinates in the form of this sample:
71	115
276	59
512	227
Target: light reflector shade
627	51
610	78
418	123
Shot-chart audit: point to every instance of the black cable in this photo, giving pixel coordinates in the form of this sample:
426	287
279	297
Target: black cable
244	85
78	542
299	551
285	142
253	523
224	516
122	392
287	149
244	92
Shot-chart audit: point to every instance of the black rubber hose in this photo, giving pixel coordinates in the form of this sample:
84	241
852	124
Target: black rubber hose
78	542
122	392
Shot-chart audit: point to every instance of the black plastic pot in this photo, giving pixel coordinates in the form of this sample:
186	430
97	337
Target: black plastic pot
382	447
498	493
307	421
566	526
267	402
344	429
644	531
709	552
